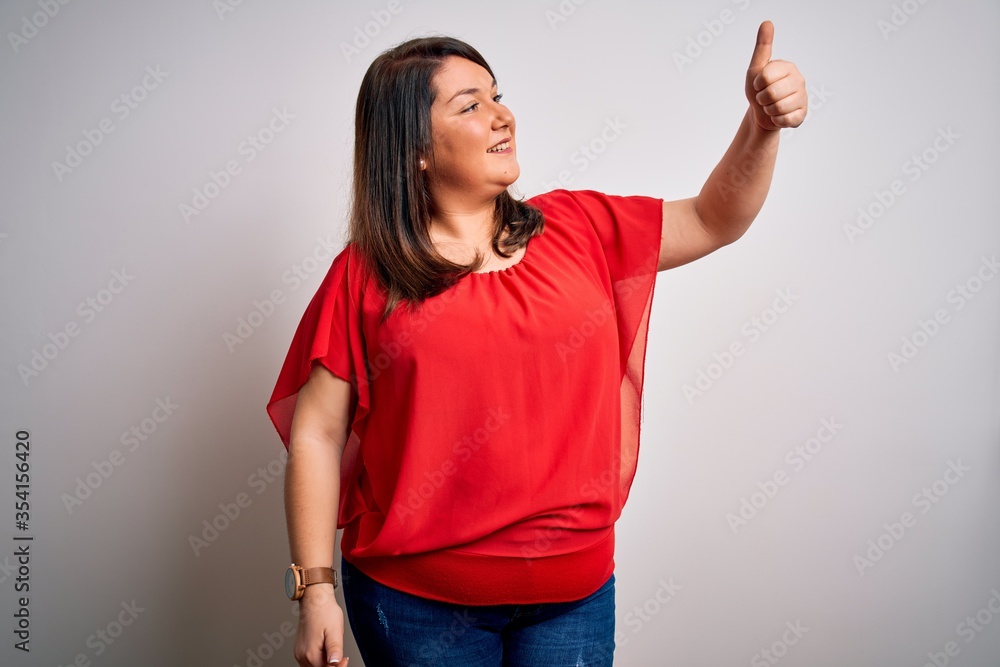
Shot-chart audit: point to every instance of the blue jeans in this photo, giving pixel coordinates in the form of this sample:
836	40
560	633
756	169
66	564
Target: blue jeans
398	629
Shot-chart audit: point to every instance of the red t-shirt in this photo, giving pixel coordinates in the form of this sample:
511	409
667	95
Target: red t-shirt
495	430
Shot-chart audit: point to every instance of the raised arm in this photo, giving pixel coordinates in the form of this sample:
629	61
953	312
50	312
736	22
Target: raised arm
735	190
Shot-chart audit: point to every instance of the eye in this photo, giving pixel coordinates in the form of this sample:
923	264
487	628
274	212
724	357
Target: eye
496	98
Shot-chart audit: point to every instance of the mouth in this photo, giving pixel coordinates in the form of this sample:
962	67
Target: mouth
501	147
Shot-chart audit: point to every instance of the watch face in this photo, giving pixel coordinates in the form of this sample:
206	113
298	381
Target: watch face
290	583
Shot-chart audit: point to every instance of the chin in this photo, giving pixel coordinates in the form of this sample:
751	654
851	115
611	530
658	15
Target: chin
511	178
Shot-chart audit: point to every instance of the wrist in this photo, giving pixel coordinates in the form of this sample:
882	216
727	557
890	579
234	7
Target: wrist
317	599
318	589
758	133
317	593
299	579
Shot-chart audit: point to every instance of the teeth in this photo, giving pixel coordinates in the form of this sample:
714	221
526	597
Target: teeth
499	147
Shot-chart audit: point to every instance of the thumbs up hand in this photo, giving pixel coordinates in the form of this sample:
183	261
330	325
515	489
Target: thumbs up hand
775	88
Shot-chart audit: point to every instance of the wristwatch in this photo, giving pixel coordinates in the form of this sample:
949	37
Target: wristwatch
298	577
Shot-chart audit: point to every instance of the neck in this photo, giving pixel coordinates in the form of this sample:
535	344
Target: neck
468	224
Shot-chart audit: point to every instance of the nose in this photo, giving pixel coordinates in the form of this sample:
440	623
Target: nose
503	117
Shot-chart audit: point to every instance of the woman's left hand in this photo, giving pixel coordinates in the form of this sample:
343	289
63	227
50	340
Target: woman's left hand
775	88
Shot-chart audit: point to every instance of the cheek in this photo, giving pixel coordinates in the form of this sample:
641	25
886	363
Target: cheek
460	144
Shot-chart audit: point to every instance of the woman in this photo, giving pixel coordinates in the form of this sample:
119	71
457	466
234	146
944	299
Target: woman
463	392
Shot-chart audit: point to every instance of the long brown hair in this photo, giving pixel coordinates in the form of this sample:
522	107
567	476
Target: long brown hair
390	204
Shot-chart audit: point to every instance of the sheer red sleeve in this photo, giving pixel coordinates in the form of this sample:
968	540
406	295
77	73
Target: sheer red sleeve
629	230
331	333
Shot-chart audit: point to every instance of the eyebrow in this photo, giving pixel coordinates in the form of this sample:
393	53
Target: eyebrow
470	91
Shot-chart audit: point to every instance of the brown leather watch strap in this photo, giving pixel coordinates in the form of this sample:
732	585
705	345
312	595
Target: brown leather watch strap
319	575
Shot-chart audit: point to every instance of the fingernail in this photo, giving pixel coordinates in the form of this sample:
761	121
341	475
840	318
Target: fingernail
334	660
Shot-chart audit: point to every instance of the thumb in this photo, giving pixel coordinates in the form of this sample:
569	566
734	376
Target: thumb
762	50
335	653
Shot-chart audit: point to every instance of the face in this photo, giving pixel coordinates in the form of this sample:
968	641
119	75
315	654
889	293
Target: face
467	120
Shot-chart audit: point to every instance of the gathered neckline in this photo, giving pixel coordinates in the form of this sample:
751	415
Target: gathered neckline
508	269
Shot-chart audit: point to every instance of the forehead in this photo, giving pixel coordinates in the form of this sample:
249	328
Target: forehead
457	73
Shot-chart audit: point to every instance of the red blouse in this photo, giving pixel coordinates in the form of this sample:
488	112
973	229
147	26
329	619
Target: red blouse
495	430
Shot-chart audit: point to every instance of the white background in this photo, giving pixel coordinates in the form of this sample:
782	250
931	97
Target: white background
877	100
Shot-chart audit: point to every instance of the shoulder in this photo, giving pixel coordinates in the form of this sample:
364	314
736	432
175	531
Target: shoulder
340	263
345	270
565	204
575	201
578	204
350	262
561	196
599	207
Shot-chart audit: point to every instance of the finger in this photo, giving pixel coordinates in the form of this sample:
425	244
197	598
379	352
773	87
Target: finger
793	119
762	50
777	91
783	107
334	652
311	658
306	658
771	73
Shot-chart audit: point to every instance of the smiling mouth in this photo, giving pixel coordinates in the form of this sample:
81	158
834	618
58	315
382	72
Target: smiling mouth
502	146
